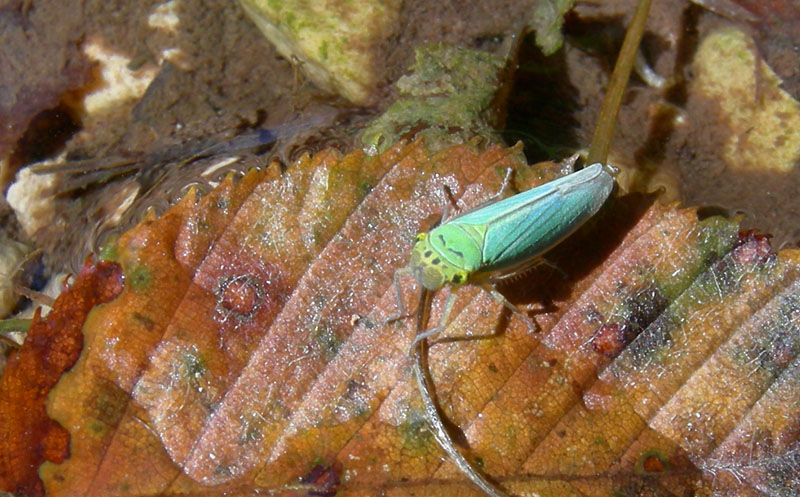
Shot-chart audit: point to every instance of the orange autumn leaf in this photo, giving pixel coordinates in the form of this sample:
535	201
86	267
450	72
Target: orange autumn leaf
249	351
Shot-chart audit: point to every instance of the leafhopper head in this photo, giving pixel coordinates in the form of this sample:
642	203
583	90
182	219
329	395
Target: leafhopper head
431	269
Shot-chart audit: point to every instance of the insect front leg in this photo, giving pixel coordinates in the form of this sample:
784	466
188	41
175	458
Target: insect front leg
499	194
503	187
398	293
499	297
453	203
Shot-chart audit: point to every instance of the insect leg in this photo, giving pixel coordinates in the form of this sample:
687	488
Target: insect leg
497	196
555	266
398	293
497	296
448	306
451	201
503	187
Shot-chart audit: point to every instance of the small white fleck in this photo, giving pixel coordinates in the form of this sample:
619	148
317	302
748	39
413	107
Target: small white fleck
165	16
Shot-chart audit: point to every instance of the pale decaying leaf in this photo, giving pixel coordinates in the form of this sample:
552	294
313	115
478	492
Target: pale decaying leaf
248	352
335	43
764	120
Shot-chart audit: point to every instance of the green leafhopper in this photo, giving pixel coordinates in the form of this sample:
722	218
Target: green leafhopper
506	237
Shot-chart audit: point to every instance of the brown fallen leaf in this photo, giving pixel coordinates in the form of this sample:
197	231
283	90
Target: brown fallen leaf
247	353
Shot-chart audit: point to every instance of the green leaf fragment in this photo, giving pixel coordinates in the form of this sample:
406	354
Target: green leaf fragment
548	17
449	93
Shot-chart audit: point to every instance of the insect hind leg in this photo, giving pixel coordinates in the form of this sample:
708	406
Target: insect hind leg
499	297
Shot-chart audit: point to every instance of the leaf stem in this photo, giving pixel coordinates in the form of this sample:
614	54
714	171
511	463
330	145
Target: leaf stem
432	414
604	129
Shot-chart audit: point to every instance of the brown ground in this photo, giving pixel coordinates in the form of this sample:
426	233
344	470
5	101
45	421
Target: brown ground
234	81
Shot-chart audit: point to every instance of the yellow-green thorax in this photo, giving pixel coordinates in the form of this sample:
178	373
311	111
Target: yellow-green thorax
448	254
430	268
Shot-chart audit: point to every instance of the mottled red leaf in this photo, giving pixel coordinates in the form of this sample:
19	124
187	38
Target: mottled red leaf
28	436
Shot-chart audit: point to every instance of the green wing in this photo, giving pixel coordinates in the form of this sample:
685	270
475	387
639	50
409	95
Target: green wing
528	224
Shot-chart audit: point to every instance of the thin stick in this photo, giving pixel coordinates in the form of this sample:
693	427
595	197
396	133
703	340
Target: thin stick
604	130
37	297
427	392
